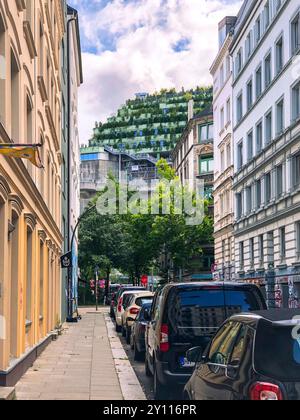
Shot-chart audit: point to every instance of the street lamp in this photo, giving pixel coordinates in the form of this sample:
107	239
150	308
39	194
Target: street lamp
67	260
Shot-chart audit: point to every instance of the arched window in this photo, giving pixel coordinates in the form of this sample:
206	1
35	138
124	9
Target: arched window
14	285
15	98
2	71
29	275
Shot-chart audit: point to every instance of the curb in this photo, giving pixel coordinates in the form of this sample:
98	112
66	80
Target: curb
130	385
7	394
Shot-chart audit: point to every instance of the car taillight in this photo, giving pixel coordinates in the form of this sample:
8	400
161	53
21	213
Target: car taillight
120	305
164	338
262	391
134	311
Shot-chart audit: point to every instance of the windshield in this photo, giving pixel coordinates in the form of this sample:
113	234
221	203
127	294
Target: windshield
277	353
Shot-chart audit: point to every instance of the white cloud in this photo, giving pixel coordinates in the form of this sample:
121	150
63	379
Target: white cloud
143	33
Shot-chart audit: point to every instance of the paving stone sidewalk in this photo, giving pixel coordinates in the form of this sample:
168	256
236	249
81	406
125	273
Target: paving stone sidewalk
78	366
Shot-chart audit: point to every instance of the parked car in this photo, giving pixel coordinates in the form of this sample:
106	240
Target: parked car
119	308
113	290
252	357
132	307
138	329
188	315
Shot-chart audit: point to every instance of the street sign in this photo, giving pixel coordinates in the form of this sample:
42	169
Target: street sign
66	260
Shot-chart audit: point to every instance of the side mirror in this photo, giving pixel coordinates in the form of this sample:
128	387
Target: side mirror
194	355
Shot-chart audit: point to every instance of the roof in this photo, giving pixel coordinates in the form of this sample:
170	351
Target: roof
214	284
243	15
205	113
275	316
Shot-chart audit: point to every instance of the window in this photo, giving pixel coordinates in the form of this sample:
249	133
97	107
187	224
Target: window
222	345
249	94
296	171
268	188
239	108
259	137
228	152
205	133
252	256
240	348
29	276
261	249
258	79
277	5
239	62
258	30
282	241
28	15
280	117
41	279
270	247
267	14
279	55
239	205
228	111
242	255
298	238
240	155
268	128
268	71
222	160
206	164
249	45
222	76
279	179
249	199
296	101
258	194
250	145
15	98
222	119
295	33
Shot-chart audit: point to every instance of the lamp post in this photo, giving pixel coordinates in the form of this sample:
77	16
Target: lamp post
71	318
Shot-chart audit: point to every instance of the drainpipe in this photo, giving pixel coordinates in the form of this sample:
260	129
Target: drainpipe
70	317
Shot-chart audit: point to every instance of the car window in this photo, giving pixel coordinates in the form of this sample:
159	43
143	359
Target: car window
156	307
223	344
142	300
239	347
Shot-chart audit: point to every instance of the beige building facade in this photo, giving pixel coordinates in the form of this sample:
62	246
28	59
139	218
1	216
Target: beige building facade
30	198
221	71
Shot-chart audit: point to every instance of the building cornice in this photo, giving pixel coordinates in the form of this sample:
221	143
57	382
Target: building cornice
221	54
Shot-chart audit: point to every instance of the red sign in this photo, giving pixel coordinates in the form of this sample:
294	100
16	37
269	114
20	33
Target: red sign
144	281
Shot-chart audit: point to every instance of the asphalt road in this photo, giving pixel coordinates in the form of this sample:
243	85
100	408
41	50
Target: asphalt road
139	368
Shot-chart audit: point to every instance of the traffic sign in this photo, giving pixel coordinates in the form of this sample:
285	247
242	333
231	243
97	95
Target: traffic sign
66	260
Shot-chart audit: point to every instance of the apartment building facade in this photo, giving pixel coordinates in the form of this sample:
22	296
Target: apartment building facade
221	71
30	198
266	134
193	159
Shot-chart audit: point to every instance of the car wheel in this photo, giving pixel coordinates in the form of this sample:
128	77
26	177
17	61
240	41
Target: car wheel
123	332
137	354
160	392
128	334
147	369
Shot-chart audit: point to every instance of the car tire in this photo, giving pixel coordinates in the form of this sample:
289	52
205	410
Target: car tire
160	391
137	354
123	331
147	368
128	334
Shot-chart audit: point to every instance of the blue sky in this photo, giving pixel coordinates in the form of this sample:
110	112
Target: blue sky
143	45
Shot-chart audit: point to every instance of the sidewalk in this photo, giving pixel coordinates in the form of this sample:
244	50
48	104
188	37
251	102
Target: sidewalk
80	365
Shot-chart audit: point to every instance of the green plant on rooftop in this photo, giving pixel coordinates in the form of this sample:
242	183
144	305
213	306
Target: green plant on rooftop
144	123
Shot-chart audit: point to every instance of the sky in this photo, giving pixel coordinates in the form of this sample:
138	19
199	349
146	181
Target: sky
131	46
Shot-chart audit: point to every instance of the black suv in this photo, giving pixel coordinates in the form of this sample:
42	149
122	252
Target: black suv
188	315
253	357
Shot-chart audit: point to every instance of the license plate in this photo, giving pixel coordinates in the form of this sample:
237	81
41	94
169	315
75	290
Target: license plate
183	361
